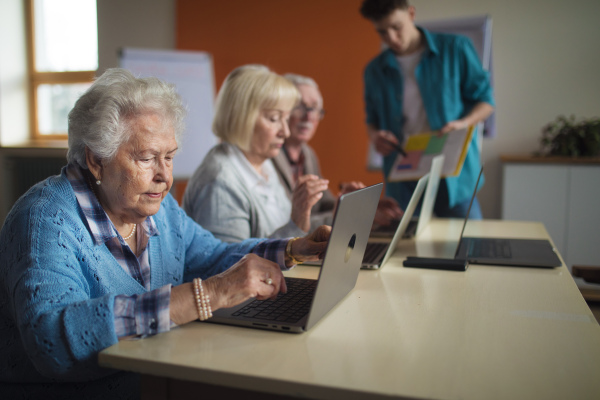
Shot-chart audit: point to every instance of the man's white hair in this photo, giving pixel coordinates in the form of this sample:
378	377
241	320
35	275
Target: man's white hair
301	80
298	80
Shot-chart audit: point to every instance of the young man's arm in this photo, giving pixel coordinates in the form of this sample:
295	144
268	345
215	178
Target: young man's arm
479	113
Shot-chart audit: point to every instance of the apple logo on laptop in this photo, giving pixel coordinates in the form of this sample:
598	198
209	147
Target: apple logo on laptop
350	247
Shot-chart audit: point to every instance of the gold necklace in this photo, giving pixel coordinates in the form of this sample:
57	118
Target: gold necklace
132	232
94	192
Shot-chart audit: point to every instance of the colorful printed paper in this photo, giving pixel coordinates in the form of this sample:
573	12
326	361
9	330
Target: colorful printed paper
421	148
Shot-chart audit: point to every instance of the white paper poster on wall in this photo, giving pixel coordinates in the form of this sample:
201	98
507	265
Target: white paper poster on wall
192	74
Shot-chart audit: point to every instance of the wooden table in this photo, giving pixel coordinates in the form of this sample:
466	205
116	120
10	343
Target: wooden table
487	333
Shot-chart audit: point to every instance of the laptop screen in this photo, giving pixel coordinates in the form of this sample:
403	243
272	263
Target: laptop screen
468	211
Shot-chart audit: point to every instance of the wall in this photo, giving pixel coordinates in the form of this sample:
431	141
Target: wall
133	23
327	40
545	57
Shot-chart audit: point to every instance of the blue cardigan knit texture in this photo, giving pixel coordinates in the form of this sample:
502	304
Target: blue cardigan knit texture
57	287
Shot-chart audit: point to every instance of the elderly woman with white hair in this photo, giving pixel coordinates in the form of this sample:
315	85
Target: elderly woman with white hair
102	252
235	193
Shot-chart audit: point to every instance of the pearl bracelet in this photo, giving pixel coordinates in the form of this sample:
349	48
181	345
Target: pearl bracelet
202	300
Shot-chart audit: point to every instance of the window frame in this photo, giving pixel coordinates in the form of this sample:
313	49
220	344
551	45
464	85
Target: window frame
41	78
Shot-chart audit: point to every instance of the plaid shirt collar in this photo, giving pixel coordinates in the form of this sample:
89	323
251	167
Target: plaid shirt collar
101	227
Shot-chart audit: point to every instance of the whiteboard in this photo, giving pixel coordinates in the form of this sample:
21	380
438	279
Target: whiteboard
192	74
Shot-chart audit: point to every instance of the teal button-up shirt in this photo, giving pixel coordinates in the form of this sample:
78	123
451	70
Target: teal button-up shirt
451	80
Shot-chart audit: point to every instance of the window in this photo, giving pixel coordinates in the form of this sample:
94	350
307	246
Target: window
63	59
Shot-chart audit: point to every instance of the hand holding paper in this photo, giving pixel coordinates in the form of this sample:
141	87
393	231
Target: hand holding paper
421	148
385	142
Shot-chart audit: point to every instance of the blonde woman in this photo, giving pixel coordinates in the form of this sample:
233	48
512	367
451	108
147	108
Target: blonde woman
235	193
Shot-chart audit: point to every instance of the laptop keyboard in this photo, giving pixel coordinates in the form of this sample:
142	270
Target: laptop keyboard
287	307
489	248
390	230
374	251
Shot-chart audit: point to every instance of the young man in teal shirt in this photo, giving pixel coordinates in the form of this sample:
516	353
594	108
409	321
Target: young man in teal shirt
424	81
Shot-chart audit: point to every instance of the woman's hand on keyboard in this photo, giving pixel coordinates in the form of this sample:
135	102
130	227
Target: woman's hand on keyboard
252	276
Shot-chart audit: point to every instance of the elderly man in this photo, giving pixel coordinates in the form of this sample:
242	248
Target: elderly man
298	158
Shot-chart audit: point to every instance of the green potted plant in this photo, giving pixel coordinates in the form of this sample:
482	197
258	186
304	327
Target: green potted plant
571	138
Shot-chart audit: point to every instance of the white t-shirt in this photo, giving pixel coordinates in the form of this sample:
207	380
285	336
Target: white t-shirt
415	118
270	197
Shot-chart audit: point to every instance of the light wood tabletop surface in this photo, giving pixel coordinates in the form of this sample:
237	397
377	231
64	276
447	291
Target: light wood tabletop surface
488	333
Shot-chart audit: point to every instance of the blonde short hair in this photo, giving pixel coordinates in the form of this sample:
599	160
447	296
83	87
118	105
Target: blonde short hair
246	91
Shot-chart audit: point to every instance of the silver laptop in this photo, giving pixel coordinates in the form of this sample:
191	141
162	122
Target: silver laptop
417	224
379	251
430	193
308	300
511	252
